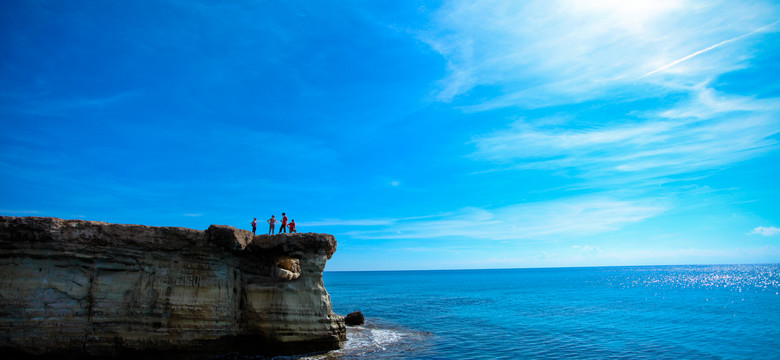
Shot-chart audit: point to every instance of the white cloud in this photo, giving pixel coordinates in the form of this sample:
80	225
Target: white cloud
706	103
538	53
369	222
710	130
702	51
533	54
692	256
553	219
587	249
765	231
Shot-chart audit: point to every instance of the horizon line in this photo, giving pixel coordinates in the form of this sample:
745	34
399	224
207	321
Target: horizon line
556	267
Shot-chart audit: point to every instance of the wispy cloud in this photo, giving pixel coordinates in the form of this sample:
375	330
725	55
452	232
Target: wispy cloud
349	222
370	222
587	250
535	54
589	255
765	231
692	255
544	220
64	106
709	131
702	51
539	53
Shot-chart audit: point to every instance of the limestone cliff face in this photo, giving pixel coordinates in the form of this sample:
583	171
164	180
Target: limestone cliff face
73	287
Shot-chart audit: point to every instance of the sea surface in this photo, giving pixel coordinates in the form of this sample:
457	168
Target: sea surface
648	312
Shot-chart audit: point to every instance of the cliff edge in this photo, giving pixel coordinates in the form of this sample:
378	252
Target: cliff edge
75	288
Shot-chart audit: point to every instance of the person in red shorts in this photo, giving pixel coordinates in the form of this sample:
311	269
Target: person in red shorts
292	226
284	224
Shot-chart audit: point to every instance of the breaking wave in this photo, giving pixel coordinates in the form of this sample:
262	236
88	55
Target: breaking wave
375	342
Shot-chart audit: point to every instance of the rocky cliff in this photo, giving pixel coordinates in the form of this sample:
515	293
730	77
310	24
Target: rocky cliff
84	288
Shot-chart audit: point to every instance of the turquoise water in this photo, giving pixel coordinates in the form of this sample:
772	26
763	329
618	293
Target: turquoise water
657	312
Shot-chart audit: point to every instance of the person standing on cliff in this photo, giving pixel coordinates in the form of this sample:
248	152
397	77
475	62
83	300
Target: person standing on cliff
254	226
272	222
292	226
284	224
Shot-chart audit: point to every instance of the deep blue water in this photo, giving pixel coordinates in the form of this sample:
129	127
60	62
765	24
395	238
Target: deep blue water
653	312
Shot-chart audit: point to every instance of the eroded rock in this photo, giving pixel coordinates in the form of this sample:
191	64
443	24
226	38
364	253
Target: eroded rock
97	289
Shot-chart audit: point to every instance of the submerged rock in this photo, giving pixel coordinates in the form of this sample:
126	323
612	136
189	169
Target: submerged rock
77	288
354	318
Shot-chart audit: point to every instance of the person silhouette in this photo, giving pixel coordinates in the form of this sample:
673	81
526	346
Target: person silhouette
284	224
272	221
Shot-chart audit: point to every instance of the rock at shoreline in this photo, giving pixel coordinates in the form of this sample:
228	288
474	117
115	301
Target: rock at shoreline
354	319
75	288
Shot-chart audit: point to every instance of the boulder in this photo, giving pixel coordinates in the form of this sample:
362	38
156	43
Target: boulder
354	318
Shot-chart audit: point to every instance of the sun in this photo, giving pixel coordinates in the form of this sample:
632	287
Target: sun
633	15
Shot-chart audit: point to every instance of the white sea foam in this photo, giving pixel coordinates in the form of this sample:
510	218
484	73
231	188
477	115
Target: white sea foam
363	340
383	338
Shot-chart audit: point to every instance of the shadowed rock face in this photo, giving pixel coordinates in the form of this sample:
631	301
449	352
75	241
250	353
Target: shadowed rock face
75	288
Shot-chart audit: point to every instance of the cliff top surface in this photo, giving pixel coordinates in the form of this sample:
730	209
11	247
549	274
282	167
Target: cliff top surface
98	233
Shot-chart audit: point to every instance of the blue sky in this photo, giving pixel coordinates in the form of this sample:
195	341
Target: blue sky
424	135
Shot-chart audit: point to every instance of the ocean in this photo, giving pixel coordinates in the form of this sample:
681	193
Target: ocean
646	312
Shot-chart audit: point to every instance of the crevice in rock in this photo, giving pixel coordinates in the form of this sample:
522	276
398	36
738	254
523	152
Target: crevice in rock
287	268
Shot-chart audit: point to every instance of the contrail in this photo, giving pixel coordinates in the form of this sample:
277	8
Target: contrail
673	63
